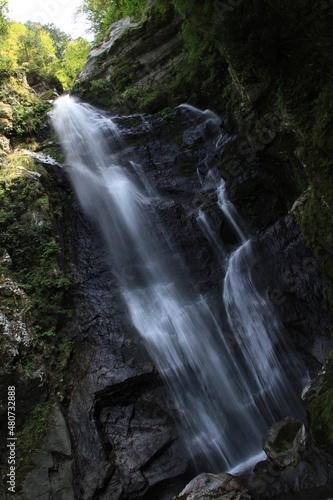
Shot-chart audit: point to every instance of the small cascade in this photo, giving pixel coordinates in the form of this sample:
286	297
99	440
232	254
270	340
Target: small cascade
230	212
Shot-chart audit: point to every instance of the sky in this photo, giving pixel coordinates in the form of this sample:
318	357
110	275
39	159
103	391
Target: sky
59	12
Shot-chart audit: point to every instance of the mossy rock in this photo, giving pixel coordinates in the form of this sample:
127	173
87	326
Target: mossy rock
30	438
278	442
28	211
321	410
6	111
28	111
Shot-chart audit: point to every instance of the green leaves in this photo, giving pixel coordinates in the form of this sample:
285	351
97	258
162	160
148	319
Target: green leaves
73	58
102	13
3	18
43	52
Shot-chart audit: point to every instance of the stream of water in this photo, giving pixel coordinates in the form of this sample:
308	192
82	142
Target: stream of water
225	402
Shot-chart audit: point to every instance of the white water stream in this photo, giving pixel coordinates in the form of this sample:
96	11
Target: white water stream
226	402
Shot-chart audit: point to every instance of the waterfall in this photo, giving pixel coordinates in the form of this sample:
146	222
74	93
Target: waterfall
225	395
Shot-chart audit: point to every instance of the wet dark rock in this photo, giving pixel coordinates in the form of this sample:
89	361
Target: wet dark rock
317	385
311	468
287	272
124	435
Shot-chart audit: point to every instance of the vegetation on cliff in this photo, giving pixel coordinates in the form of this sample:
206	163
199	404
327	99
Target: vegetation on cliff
30	253
29	207
36	64
321	410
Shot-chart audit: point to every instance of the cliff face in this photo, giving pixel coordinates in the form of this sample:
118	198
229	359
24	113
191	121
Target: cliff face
133	65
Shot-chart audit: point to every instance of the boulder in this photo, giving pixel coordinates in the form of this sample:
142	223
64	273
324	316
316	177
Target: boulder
279	441
52	476
218	486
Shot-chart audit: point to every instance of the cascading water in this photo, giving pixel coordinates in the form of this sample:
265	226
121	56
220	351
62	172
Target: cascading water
225	401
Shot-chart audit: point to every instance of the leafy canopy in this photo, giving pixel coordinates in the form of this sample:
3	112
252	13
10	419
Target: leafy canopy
3	18
102	13
41	50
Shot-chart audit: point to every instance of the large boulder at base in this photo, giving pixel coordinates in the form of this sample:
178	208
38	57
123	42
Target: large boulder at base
217	486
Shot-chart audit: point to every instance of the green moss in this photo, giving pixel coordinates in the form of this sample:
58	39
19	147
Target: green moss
28	111
315	220
188	166
321	411
131	97
65	355
51	148
149	102
197	145
29	369
30	438
167	114
98	92
26	233
178	138
286	436
122	76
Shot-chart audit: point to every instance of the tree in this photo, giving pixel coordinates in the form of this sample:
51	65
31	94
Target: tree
10	47
43	52
102	13
73	59
3	18
36	50
60	39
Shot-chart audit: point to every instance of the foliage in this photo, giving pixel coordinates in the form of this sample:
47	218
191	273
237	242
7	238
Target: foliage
73	58
28	110
3	18
202	74
36	50
9	49
102	13
167	114
26	221
60	39
33	431
42	51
